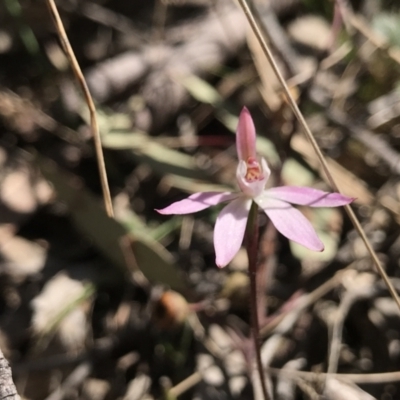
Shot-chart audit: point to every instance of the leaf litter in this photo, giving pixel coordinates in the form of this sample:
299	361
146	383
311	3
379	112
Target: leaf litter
135	307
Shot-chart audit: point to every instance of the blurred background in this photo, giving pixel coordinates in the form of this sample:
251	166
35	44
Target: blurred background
134	307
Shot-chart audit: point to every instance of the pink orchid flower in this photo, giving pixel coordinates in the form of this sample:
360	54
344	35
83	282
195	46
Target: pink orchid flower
252	175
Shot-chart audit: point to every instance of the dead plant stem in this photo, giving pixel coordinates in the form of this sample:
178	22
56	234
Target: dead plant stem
292	102
92	109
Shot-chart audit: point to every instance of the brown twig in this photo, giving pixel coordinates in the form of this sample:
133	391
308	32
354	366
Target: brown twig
92	109
361	290
292	102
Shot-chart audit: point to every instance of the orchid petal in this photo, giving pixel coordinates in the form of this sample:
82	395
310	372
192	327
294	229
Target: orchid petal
246	136
197	202
290	222
229	230
308	196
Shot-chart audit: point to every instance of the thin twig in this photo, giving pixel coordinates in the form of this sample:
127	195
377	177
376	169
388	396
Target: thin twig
92	109
303	123
130	260
362	289
186	384
305	301
375	378
336	331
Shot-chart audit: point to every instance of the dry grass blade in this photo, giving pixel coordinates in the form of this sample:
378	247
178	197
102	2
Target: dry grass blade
92	109
257	31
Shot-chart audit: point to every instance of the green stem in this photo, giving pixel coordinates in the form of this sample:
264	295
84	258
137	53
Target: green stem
252	251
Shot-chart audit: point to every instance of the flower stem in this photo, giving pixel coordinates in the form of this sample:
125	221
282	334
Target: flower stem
252	251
